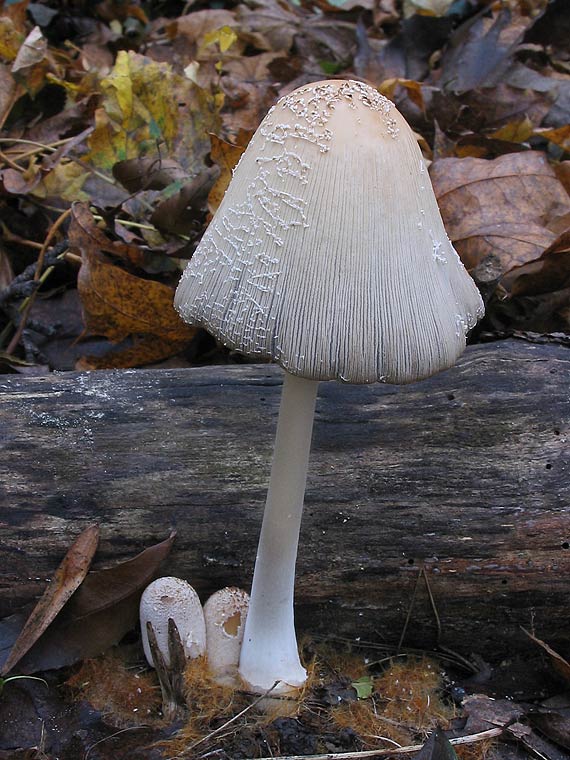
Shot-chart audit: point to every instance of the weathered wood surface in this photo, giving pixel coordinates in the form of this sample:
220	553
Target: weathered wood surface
467	472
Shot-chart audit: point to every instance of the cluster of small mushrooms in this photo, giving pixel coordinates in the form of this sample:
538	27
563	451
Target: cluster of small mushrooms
327	255
216	630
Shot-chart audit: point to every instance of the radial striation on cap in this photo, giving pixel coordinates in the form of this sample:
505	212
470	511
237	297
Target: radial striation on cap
328	254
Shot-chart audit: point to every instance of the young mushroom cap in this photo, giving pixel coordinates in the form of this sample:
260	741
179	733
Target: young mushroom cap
174	598
225	613
328	254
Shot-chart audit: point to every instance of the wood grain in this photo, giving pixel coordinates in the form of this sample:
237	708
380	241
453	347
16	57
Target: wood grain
466	473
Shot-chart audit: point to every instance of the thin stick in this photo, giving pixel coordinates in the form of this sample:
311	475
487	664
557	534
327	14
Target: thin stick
37	275
43	146
18	91
460	740
409	613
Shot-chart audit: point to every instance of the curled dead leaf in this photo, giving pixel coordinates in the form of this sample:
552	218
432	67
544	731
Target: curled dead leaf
67	579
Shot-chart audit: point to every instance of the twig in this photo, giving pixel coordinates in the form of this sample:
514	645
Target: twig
470	739
409	612
37	276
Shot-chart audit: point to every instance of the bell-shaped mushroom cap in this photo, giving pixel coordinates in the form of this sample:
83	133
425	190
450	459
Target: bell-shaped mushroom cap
172	598
225	613
328	253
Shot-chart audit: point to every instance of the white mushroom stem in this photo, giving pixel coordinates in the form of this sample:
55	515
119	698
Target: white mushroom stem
269	651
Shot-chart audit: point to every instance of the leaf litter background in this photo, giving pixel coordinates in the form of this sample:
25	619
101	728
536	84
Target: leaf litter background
120	125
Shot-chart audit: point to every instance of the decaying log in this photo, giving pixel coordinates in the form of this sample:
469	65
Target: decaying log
466	474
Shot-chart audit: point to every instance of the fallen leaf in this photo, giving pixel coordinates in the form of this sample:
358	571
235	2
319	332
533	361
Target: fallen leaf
181	206
8	89
120	305
146	104
225	155
405	56
554	725
414	90
249	89
197	30
560	136
98	615
489	109
563	173
65	181
6	272
32	51
437	747
480	50
548	273
514	131
138	174
11	38
64	583
499	211
269	25
84	234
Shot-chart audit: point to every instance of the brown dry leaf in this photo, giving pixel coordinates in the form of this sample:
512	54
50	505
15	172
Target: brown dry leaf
270	25
84	234
548	273
138	174
194	29
560	665
250	91
6	272
225	155
489	108
563	173
499	212
119	305
8	92
181	208
479	52
102	610
20	183
413	89
67	579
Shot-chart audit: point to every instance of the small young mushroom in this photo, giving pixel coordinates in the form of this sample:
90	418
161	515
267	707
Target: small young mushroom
225	613
172	598
327	255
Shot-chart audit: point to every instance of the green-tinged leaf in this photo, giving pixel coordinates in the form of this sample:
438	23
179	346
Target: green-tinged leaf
363	686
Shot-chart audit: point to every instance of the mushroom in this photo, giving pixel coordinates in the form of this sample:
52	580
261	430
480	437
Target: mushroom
327	255
172	598
225	613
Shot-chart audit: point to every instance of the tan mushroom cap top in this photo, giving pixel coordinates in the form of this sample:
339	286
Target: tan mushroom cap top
328	253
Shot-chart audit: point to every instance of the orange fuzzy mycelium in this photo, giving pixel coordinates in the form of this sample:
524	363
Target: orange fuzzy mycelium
404	706
126	695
